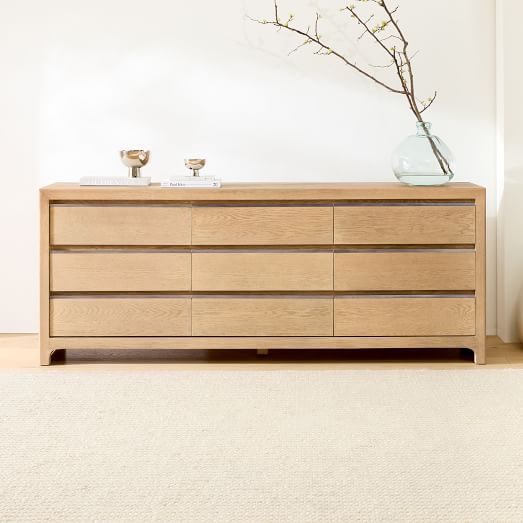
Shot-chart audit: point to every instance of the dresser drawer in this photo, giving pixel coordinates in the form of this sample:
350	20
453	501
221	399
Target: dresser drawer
261	316
111	316
404	316
262	225
120	225
404	224
300	271
405	271
120	271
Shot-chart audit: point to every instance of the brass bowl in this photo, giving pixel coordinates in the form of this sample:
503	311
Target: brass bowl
134	159
195	165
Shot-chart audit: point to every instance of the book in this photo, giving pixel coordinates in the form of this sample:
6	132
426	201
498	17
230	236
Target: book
115	180
190	178
208	184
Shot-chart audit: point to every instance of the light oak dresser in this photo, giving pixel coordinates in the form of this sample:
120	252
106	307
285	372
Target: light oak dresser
263	266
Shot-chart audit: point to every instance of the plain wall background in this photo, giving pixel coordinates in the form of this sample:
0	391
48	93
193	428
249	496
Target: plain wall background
83	80
510	171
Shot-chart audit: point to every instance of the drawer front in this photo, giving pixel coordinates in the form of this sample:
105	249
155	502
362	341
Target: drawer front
404	271
262	316
120	271
271	225
109	316
120	225
262	271
401	316
408	224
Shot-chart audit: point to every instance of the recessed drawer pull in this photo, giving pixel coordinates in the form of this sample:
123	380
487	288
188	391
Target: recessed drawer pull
404	203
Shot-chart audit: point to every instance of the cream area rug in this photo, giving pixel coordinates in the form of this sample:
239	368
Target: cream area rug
274	446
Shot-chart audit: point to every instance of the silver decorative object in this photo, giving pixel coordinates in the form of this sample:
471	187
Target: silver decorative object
195	165
134	159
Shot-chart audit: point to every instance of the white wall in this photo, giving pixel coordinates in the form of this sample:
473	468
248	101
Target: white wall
82	80
510	196
20	102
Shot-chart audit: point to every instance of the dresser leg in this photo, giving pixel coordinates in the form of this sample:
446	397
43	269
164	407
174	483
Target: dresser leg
480	359
480	353
45	356
262	352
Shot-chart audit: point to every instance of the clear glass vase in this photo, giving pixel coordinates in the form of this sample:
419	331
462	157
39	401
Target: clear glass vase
423	159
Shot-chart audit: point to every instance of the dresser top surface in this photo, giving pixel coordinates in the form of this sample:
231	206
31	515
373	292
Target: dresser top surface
267	191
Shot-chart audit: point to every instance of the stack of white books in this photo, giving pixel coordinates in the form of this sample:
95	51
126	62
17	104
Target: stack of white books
115	180
192	182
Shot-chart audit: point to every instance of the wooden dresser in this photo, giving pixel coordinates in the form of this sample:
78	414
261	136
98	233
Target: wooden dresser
263	266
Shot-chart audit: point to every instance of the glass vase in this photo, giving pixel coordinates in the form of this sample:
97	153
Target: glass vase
423	159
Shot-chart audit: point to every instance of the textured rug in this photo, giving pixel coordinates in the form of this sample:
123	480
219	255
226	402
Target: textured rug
266	447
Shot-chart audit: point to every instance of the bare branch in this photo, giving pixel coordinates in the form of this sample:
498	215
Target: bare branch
395	23
411	57
430	102
297	48
324	49
372	33
389	37
399	58
365	25
383	66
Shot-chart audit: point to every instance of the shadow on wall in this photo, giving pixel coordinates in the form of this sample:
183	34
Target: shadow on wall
510	261
519	315
491	253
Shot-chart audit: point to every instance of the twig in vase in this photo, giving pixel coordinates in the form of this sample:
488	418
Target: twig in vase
398	56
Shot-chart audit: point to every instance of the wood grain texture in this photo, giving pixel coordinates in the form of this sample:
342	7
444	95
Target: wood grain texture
109	316
262	316
267	322
45	354
120	271
265	342
120	225
409	224
481	276
267	192
259	271
405	271
271	225
404	316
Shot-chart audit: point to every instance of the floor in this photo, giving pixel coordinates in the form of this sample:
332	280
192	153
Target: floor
21	351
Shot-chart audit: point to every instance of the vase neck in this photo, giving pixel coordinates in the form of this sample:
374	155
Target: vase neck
423	128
